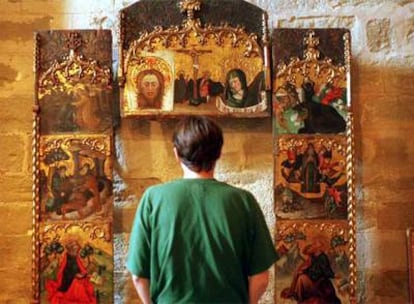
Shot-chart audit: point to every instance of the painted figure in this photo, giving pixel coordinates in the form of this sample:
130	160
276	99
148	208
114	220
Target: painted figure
310	172
72	284
150	86
181	93
312	279
61	188
318	117
237	92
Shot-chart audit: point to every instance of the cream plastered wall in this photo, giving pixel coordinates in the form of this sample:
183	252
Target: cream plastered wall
382	95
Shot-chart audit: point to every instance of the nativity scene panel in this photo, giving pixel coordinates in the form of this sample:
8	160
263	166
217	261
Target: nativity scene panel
194	68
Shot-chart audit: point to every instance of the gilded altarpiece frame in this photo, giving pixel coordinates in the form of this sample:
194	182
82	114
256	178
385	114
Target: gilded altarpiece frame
72	167
314	199
202	57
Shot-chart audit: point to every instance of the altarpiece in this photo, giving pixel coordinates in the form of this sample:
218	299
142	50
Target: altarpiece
214	58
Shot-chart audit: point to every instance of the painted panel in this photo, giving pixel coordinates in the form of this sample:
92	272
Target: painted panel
212	69
75	91
72	167
75	176
314	262
310	90
311	178
314	190
76	263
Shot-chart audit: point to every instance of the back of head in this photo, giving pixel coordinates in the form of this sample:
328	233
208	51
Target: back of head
198	141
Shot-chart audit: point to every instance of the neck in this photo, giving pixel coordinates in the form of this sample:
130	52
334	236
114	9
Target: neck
187	173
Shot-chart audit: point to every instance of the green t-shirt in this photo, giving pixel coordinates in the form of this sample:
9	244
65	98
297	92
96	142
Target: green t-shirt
198	240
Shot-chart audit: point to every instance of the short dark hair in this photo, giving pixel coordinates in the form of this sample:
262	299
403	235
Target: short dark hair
198	141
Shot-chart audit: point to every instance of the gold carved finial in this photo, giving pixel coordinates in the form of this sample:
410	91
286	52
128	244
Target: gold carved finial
73	42
311	52
189	6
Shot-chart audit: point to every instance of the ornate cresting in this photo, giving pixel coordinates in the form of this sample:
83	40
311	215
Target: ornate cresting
179	36
74	67
311	66
176	36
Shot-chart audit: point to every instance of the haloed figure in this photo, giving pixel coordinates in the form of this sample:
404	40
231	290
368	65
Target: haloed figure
150	85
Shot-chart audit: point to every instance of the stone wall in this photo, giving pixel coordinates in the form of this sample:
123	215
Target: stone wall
382	85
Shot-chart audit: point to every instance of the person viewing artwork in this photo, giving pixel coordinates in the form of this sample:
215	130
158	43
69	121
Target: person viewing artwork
150	86
197	239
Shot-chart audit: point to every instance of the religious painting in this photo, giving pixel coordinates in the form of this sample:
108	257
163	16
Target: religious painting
149	84
310	178
72	167
75	178
314	263
76	263
193	68
75	93
311	84
410	253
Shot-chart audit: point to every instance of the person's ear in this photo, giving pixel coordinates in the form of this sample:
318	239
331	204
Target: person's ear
176	154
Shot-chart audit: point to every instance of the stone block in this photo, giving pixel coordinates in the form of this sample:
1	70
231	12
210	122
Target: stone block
367	80
128	191
397	215
376	247
120	251
20	84
10	212
367	294
366	215
12	153
317	21
9	74
124	289
15	267
95	19
17	28
16	188
389	284
123	219
399	82
377	109
378	34
388	159
16	112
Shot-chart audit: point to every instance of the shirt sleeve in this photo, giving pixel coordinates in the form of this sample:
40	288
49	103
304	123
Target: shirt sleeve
139	257
263	252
